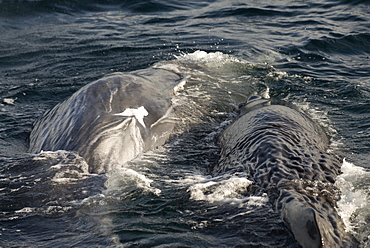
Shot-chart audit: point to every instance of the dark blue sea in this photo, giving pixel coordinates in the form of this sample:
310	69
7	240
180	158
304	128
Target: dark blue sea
315	54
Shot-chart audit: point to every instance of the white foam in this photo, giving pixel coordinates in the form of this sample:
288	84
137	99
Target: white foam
138	113
57	209
25	210
68	175
266	93
66	166
179	87
352	199
220	189
213	59
9	101
123	179
350	169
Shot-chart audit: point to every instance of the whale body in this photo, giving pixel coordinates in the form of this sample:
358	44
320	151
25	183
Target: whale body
284	153
112	120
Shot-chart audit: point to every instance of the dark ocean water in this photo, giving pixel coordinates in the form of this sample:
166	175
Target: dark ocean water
315	54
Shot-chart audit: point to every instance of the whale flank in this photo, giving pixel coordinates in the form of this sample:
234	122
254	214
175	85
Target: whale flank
112	120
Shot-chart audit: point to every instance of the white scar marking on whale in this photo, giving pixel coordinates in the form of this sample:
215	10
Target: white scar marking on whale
139	114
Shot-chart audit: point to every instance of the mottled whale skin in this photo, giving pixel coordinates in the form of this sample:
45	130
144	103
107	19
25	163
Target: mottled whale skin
285	154
112	120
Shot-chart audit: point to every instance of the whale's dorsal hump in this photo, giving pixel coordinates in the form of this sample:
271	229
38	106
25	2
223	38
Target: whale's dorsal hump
253	102
253	98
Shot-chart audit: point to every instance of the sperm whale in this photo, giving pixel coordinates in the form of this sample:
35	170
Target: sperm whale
286	155
112	120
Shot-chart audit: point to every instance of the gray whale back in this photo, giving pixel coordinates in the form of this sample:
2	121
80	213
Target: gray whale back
285	154
112	120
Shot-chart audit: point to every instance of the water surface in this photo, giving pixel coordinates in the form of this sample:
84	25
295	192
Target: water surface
315	54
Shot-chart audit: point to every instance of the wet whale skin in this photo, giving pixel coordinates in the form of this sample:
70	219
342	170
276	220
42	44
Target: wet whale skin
285	154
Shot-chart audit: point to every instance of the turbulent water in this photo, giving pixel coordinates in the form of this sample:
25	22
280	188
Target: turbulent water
315	54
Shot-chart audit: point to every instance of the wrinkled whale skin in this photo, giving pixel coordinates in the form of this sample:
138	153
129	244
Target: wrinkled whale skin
285	154
91	122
